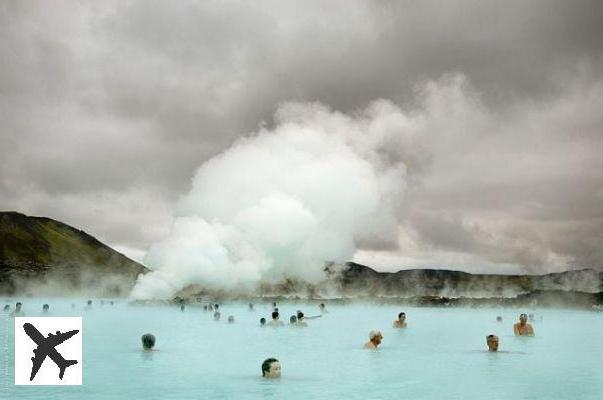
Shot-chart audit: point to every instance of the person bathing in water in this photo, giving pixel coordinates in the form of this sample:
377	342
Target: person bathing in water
375	338
271	368
523	328
275	320
296	321
401	321
148	341
492	342
18	312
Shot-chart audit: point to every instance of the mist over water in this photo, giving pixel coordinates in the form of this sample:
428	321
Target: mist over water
282	202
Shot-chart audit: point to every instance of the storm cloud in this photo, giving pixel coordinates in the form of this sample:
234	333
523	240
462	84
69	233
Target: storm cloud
108	109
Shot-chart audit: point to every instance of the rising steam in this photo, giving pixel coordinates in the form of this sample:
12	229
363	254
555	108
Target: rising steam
282	202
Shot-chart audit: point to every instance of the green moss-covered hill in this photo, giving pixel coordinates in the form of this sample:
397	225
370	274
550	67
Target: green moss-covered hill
41	256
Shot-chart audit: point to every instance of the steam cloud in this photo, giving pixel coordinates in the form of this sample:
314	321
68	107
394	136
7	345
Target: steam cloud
321	185
282	202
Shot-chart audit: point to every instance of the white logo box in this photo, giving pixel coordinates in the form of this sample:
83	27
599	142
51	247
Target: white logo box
70	349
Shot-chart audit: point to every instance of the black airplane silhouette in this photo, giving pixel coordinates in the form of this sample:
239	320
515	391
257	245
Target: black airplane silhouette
46	347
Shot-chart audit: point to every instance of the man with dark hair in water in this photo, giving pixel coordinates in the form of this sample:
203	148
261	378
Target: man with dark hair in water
45	309
231	319
271	368
262	321
275	320
6	307
522	328
300	319
18	312
401	321
148	341
492	341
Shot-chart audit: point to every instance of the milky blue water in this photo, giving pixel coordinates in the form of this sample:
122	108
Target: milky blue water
441	355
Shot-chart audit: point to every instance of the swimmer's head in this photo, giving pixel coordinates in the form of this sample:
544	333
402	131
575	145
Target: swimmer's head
89	302
375	337
271	368
523	318
275	315
492	341
45	307
499	319
300	315
402	316
6	307
18	305
230	319
148	341
262	321
293	319
217	316
216	306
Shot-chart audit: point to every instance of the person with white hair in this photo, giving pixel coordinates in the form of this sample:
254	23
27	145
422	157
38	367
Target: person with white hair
375	338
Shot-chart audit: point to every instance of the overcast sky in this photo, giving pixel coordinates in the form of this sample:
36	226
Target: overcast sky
107	109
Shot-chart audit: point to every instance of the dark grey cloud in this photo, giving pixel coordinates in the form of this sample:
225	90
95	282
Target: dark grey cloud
108	108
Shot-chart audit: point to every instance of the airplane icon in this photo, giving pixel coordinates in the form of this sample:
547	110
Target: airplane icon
46	347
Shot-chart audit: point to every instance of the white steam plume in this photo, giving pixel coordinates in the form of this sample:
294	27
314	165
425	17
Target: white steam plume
282	202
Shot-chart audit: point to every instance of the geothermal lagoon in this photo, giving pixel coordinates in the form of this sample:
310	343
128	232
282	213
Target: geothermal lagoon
442	354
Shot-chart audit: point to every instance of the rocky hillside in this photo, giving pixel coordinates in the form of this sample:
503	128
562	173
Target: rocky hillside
41	256
582	288
359	279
